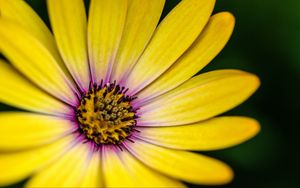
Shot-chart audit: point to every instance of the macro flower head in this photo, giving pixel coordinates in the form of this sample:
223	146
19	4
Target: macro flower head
109	98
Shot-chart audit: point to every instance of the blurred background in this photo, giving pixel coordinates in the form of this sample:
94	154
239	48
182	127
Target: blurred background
266	41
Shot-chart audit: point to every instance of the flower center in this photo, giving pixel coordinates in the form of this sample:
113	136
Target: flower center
105	114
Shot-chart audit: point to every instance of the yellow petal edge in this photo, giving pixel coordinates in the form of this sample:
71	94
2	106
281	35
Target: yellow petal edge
213	134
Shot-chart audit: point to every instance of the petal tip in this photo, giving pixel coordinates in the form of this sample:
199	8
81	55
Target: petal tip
223	176
254	80
228	19
228	16
254	127
228	176
251	81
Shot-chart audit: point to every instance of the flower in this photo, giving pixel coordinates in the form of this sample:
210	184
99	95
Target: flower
112	101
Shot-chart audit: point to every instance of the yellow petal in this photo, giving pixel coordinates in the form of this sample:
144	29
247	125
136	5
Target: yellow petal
67	171
20	130
115	173
186	166
105	27
93	176
19	92
141	21
200	98
34	60
20	12
68	20
121	169
174	35
208	44
19	165
217	133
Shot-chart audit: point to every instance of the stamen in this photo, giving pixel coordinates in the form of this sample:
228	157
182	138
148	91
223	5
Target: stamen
120	147
105	114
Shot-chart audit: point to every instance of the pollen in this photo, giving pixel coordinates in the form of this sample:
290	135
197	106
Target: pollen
105	114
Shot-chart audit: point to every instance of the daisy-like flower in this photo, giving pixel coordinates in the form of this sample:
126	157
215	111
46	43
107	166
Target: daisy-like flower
109	100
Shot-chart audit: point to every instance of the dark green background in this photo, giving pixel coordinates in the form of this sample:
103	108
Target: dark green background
266	41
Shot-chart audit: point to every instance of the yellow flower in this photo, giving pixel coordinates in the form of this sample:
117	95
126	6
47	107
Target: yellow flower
111	100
